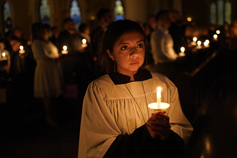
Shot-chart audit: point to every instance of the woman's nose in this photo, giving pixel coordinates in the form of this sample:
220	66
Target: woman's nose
134	52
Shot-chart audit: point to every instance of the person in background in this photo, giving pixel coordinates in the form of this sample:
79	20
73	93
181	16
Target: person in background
176	30
48	81
105	18
152	21
116	121
162	49
55	34
5	59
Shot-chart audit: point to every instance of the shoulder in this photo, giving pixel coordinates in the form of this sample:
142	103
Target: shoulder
162	78
103	81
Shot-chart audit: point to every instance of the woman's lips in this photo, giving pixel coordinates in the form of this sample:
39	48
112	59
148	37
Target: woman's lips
134	63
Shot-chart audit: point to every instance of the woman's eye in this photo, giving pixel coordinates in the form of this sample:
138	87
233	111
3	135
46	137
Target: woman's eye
124	48
140	46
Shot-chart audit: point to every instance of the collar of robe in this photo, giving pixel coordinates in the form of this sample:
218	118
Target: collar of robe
141	75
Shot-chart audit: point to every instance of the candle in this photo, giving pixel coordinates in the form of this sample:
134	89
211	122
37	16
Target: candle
3	56
64	51
194	41
206	43
199	46
21	51
182	49
215	37
84	43
158	93
189	19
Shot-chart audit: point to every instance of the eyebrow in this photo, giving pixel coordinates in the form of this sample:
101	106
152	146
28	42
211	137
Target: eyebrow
136	42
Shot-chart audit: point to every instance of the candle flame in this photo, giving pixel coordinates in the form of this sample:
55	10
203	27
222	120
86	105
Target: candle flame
215	36
194	39
189	19
84	41
21	47
182	49
159	91
218	32
64	47
3	54
199	43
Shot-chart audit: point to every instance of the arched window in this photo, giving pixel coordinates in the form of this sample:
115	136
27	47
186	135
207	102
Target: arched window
118	10
7	17
220	11
228	12
75	13
213	13
45	12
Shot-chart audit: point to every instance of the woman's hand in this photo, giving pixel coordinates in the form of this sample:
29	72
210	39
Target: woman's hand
158	125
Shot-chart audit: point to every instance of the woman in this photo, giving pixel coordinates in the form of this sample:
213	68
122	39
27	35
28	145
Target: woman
116	121
48	74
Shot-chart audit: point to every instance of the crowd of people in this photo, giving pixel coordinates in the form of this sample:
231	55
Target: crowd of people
117	53
51	69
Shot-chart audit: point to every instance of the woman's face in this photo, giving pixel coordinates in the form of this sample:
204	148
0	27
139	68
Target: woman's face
129	53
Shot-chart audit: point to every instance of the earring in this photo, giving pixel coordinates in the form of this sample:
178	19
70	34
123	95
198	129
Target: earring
114	66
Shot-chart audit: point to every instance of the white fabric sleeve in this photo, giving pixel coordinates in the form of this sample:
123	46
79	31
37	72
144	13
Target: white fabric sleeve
98	128
178	121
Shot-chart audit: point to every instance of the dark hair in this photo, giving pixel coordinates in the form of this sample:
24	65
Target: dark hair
38	31
161	13
101	13
66	20
111	35
82	27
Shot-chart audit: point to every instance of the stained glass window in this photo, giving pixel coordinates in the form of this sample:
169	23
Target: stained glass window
45	12
7	17
118	10
228	12
75	13
213	13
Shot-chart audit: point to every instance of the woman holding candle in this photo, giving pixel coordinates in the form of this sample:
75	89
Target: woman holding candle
48	74
116	120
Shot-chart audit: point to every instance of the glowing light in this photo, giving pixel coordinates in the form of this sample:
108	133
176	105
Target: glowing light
189	19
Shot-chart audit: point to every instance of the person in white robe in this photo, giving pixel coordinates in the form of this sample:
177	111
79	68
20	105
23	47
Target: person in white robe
116	120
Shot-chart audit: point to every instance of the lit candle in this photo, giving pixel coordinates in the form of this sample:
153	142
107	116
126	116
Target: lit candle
199	46
206	43
182	49
4	56
158	93
64	51
84	43
189	19
194	41
215	37
218	32
21	51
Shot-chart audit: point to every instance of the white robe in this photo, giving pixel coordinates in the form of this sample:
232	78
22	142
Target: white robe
110	110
